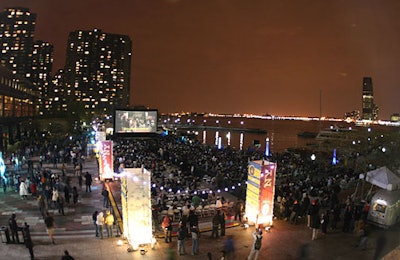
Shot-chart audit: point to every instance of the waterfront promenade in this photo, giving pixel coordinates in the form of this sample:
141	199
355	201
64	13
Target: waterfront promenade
75	233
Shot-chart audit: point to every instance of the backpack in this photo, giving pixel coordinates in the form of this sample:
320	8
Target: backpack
257	244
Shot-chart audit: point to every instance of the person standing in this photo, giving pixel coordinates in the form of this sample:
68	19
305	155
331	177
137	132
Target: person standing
315	220
28	240
75	195
50	225
222	222
66	193
195	232
295	212
167	227
41	205
100	223
4	184
215	224
325	222
239	210
106	200
182	233
23	190
94	217
88	182
60	202
12	222
80	181
109	222
255	250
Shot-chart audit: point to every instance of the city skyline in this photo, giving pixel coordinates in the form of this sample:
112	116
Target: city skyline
242	57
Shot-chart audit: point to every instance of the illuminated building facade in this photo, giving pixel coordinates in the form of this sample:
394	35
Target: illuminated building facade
18	101
17	27
369	109
57	99
42	62
97	70
21	54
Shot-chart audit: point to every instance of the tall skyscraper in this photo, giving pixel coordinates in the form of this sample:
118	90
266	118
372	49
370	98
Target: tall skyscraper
97	71
17	27
369	109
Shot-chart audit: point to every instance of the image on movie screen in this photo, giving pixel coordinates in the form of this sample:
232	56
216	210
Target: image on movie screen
135	121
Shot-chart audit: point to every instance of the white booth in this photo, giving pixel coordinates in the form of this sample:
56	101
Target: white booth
385	203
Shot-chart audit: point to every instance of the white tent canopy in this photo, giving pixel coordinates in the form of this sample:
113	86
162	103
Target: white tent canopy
383	178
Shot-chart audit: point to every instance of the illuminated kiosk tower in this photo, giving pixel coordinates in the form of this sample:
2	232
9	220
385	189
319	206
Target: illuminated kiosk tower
136	206
260	193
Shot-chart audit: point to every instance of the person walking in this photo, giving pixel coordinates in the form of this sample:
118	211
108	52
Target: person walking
100	223
182	233
12	223
50	226
94	217
109	222
195	232
54	197
88	182
41	206
67	256
255	249
28	240
60	203
229	247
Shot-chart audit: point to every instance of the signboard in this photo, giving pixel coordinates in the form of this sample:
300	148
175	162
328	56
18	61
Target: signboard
106	169
260	192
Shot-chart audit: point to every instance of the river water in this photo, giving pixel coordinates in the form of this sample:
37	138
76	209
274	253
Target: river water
244	133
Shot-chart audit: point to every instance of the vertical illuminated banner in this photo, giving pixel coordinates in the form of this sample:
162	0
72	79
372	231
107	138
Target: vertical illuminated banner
260	192
267	193
136	208
106	169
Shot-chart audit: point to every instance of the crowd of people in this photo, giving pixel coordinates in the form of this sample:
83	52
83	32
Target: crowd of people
177	164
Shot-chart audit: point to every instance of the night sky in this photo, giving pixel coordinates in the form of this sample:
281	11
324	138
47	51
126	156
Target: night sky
243	56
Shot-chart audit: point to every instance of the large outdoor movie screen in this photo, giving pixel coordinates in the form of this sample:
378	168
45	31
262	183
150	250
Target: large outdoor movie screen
135	121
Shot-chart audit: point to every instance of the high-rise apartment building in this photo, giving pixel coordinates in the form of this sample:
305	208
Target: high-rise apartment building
369	109
17	27
42	63
21	54
59	96
97	71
